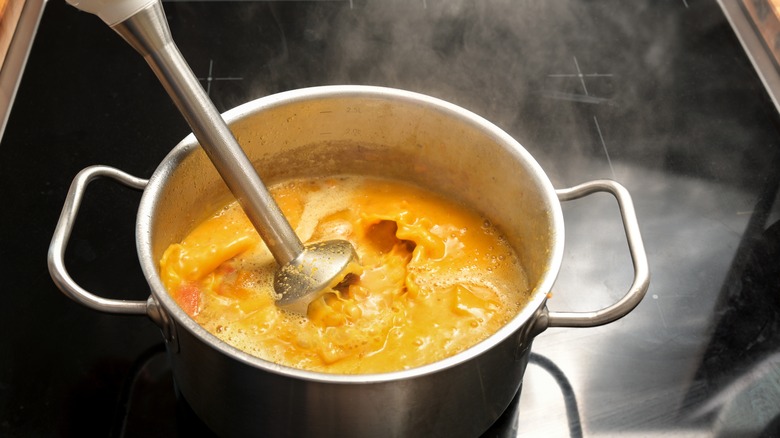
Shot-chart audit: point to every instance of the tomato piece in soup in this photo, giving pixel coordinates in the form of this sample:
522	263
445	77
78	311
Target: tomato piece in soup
188	297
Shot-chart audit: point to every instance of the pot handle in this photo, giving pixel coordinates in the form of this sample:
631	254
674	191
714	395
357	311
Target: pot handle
636	248
61	236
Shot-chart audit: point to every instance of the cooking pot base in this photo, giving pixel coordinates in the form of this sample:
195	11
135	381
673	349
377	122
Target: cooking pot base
151	401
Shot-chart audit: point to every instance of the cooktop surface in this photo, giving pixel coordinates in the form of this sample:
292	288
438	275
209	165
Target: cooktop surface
657	95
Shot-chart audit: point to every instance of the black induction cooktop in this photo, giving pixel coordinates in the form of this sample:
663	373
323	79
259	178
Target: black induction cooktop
657	95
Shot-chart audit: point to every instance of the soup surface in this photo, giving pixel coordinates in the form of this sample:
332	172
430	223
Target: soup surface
436	278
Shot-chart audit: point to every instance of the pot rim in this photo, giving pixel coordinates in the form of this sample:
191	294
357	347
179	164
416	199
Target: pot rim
157	181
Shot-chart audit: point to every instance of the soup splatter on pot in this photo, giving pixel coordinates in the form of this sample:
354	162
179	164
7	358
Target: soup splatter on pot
436	278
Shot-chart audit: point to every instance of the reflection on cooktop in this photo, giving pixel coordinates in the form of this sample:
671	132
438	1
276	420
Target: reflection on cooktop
741	366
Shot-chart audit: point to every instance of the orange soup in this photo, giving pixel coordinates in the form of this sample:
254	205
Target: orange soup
436	278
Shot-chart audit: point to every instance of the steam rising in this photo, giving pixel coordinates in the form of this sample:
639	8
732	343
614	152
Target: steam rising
541	70
572	81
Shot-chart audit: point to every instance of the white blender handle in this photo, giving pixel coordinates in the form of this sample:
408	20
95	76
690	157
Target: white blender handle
111	11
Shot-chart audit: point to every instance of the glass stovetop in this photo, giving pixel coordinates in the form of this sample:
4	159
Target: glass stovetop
655	94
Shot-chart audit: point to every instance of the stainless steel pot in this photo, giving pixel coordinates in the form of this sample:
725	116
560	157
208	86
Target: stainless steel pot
356	130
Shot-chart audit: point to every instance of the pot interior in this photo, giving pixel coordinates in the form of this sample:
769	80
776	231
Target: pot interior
365	131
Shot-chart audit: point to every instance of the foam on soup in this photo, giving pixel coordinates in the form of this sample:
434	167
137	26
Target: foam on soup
436	278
